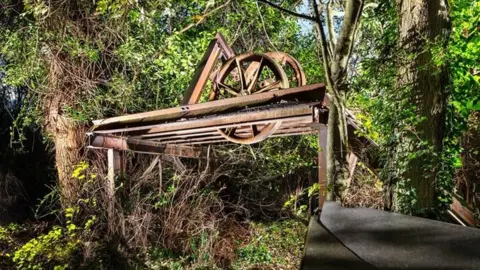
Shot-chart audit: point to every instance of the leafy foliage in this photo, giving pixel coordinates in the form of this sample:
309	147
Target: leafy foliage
386	111
271	240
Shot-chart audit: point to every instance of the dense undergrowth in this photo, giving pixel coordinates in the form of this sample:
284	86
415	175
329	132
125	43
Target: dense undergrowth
170	214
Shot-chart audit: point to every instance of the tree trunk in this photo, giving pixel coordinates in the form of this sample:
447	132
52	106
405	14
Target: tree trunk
337	165
68	141
422	25
336	55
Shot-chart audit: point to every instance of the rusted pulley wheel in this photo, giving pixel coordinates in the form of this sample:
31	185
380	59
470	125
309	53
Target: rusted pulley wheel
248	74
291	67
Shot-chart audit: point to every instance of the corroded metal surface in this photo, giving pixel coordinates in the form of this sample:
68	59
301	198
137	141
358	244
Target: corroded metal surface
313	92
144	146
248	74
259	106
284	59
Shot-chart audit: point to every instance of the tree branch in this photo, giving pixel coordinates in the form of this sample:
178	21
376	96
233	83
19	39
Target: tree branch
327	57
295	14
331	31
203	17
353	11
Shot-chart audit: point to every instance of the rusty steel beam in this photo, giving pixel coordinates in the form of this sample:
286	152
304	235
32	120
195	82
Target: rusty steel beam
295	130
163	137
280	112
216	136
307	93
217	47
226	50
192	139
289	129
202	72
290	120
222	140
301	121
144	146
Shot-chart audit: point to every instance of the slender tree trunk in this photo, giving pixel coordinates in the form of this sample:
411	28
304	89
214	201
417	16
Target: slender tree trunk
335	58
422	25
336	55
337	165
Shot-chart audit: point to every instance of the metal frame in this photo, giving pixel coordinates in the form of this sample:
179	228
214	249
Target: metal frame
217	47
182	131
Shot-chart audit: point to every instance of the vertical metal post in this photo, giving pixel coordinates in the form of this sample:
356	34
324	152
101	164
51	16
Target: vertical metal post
320	120
116	166
322	167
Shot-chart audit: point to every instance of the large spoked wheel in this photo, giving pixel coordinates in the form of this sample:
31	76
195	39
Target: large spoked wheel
248	74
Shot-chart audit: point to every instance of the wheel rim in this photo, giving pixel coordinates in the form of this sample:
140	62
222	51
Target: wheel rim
287	62
255	134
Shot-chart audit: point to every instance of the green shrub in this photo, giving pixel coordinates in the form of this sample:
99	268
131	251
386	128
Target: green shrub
53	249
255	253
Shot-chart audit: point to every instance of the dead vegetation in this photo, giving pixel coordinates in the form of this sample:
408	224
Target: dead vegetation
365	190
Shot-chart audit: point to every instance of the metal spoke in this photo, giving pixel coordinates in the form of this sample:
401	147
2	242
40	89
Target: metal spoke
231	131
229	89
254	80
256	75
254	130
268	87
240	73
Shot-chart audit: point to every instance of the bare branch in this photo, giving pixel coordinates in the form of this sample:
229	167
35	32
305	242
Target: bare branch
203	17
326	55
293	13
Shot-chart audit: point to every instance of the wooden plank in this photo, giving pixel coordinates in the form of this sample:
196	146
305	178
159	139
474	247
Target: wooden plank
116	166
352	164
308	93
112	159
